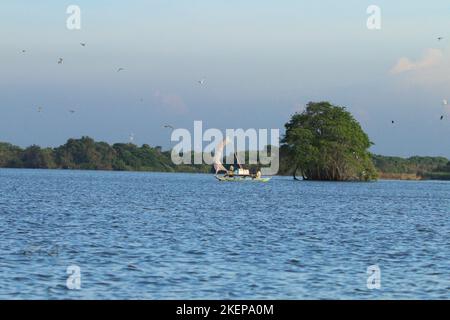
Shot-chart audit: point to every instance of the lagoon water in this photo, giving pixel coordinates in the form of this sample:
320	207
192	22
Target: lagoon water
187	236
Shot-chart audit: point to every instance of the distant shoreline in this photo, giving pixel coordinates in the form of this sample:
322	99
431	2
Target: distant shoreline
399	176
382	176
87	154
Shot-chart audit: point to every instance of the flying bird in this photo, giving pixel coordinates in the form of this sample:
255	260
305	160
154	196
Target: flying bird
72	111
168	126
445	102
39	109
202	81
442	117
440	38
120	69
60	61
83	44
23	51
393	121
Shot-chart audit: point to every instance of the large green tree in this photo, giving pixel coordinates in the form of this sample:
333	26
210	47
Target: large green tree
325	142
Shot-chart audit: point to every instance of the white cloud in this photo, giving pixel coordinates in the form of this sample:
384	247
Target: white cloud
432	57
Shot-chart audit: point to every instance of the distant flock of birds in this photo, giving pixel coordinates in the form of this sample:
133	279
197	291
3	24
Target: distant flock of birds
72	111
200	82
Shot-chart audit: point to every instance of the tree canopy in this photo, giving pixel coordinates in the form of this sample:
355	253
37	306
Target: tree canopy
325	142
88	154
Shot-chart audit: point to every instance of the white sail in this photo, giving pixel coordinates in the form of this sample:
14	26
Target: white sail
218	166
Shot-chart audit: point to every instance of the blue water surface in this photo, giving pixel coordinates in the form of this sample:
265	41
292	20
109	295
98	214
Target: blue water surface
188	236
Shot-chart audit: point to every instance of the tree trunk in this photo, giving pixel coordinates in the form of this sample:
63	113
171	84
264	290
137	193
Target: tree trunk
295	171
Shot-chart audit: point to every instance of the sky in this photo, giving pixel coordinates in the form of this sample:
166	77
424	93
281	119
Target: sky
262	61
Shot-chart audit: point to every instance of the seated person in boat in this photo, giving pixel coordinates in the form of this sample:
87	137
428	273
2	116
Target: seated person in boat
230	172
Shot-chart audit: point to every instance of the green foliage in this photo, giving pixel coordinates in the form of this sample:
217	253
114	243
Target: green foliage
145	158
325	142
36	158
84	153
437	175
413	165
441	172
87	154
10	156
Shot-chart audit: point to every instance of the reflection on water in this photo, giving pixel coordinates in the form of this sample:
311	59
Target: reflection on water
154	236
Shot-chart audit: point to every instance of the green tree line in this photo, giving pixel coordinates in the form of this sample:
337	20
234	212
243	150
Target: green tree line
324	142
87	154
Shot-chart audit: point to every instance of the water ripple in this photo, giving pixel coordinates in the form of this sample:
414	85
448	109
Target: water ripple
172	236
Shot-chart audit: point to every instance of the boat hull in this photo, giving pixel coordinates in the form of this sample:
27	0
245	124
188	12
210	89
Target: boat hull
242	179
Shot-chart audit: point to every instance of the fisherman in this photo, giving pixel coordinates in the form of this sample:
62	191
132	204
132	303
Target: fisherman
230	172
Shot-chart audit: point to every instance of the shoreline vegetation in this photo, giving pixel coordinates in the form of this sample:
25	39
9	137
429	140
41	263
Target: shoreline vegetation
87	154
322	143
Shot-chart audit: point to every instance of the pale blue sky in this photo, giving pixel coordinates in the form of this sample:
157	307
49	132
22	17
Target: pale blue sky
262	60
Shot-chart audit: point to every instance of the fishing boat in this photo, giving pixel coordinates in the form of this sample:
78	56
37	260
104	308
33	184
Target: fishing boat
241	179
238	175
